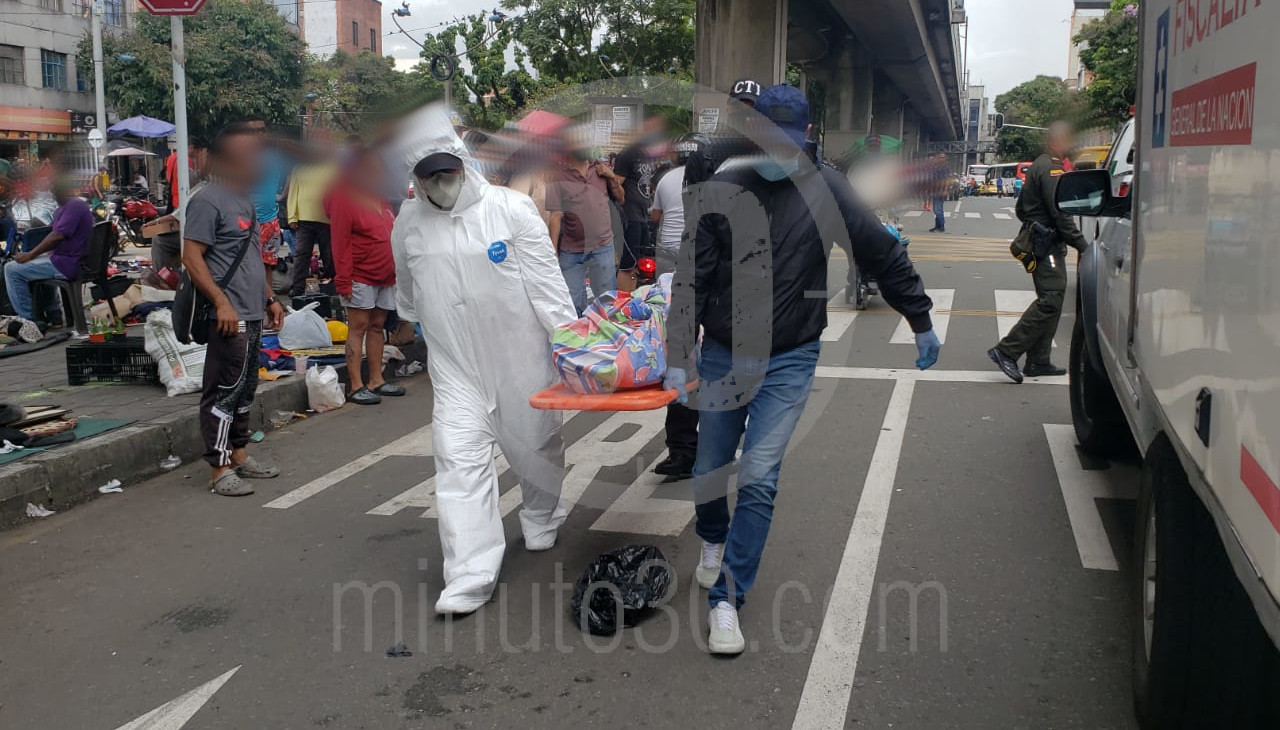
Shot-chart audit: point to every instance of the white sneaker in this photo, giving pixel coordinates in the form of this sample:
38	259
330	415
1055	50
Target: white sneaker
709	564
726	637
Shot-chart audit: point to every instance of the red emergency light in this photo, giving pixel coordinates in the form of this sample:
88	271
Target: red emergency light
647	265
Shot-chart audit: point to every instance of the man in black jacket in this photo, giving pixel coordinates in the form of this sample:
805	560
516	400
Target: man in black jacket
761	299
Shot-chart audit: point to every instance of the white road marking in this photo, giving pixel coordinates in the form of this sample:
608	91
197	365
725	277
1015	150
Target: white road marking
947	214
1080	491
175	714
588	455
929	376
913	214
838	322
1002	216
839	319
636	511
942	301
824	702
1012	300
972	215
415	443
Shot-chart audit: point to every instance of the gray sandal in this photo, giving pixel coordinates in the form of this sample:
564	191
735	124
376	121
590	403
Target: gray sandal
251	469
230	485
390	389
365	397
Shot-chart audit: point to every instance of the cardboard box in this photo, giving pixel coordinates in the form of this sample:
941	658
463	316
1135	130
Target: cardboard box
165	224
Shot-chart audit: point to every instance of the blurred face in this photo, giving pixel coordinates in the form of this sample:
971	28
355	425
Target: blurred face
240	157
1059	140
367	174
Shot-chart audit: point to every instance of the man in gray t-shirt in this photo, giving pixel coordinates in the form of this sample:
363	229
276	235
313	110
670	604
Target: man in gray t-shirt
224	222
219	223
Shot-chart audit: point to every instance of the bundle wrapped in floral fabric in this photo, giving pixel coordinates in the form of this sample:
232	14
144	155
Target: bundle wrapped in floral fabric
618	343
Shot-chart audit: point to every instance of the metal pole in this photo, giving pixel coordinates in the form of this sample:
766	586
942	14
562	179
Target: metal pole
98	91
180	116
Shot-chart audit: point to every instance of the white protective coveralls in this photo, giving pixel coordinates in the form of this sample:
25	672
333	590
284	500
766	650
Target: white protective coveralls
484	282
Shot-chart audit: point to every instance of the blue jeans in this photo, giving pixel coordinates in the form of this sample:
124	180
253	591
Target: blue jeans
18	278
939	213
598	266
769	411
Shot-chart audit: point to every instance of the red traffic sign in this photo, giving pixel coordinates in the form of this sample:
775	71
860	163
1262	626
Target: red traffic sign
172	7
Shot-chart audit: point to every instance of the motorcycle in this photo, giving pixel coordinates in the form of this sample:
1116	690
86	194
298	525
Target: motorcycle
128	215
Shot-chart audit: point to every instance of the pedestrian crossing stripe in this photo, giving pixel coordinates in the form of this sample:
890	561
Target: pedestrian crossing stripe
618	441
951	214
942	301
1016	301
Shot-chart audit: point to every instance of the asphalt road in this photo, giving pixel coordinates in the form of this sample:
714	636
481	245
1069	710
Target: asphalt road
941	557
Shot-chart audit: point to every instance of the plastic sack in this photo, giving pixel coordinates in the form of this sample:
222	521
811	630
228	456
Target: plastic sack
181	366
618	343
634	578
303	329
324	390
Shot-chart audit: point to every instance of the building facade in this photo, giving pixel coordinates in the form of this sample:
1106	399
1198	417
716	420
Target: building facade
46	101
1084	13
351	26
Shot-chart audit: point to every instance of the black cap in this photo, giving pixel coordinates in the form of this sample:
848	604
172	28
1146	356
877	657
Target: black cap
435	162
745	90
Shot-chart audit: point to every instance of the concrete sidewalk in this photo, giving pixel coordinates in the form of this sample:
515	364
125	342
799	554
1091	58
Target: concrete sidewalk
66	475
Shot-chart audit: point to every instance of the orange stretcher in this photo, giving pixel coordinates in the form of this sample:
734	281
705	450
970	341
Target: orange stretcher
560	398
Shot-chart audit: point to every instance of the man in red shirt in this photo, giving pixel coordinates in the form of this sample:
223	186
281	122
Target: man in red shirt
360	222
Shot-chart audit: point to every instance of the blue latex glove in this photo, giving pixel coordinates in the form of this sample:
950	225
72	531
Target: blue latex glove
928	346
678	380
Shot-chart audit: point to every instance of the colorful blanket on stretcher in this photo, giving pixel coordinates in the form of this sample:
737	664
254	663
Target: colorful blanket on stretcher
618	343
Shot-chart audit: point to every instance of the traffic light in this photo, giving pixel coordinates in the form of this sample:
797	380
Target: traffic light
999	121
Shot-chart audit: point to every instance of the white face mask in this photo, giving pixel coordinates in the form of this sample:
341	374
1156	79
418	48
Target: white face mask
442	189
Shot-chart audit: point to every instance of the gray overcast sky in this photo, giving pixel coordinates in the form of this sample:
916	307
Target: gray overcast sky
1010	41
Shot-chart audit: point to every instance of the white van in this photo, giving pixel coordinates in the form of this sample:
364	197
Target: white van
1176	349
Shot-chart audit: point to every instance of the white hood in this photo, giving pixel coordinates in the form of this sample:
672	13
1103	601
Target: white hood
424	133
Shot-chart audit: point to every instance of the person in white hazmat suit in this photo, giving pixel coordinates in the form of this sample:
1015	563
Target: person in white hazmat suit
476	267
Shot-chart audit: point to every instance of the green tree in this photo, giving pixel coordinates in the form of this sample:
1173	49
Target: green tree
577	41
486	90
242	60
1109	51
354	94
1033	103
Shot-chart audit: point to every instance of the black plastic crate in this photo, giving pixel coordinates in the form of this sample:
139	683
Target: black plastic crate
117	361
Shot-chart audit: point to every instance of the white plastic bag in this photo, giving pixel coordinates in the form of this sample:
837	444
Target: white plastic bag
181	366
303	329
324	391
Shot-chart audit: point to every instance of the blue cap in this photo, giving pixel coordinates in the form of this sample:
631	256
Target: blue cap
786	107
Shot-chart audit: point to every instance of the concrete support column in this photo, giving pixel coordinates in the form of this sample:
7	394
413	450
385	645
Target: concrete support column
741	39
886	109
863	79
912	143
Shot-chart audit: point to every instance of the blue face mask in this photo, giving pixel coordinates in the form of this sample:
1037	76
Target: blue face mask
772	170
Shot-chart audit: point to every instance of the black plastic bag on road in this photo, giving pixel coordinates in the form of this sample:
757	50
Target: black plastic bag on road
634	579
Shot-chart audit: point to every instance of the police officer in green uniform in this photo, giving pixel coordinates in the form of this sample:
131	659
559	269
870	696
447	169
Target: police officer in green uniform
1041	247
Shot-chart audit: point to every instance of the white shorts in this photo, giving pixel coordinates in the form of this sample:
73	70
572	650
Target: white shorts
368	296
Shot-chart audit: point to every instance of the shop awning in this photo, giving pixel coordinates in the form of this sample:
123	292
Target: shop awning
130	152
142	126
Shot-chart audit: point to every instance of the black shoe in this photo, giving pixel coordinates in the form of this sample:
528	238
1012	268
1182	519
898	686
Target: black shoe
1007	365
680	467
935	229
1043	370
